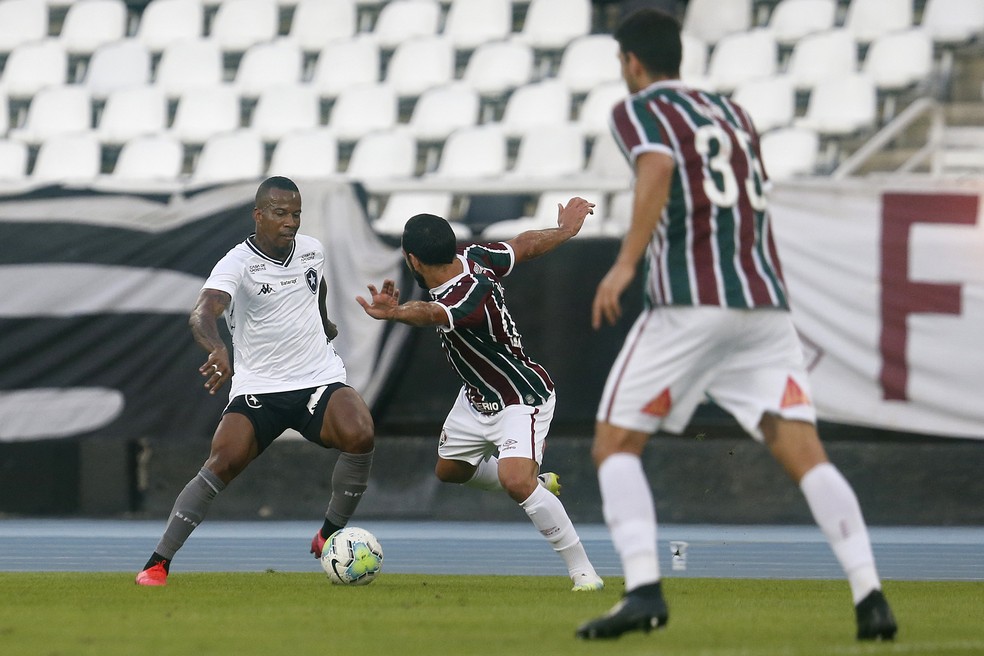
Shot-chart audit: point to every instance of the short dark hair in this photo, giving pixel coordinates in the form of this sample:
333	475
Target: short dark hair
653	36
430	238
276	182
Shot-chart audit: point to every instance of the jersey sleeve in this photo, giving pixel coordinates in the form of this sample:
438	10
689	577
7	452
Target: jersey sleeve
497	257
637	129
226	275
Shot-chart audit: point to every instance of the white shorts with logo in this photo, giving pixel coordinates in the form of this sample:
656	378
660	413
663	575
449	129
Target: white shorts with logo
749	362
518	431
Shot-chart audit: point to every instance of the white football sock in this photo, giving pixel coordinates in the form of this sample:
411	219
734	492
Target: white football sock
836	511
486	476
550	518
627	503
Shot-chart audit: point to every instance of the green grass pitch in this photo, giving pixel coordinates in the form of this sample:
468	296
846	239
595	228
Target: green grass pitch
409	615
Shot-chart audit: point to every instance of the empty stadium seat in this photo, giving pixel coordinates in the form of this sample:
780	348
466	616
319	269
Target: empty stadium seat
900	59
953	22
791	20
400	206
589	61
117	65
91	24
383	155
552	24
131	113
202	113
867	20
711	20
550	151
770	101
68	158
442	110
693	63
595	112
271	63
33	66
283	109
400	20
816	57
230	157
239	24
740	57
305	154
841	106
189	64
56	111
166	21
22	21
149	158
545	216
498	67
606	161
535	105
346	63
789	152
470	23
473	153
420	63
13	160
316	23
363	109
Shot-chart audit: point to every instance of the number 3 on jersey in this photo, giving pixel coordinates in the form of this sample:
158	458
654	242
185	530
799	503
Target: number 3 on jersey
723	191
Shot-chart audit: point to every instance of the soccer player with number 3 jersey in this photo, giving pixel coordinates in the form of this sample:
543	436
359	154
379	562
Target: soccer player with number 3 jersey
716	325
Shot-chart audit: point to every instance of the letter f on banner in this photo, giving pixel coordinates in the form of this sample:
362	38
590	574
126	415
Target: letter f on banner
901	296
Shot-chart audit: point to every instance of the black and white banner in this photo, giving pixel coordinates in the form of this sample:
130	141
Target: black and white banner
95	292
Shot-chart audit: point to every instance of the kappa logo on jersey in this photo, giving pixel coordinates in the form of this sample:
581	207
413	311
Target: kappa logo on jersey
311	277
265	289
793	395
253	402
659	406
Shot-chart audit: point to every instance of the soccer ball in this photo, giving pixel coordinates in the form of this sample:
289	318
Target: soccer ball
352	556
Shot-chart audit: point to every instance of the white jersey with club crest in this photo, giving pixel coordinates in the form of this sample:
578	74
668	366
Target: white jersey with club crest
278	338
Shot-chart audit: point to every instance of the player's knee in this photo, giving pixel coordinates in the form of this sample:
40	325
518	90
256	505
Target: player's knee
450	471
356	439
517	485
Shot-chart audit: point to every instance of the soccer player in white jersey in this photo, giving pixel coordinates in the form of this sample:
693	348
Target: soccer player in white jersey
272	291
507	400
716	324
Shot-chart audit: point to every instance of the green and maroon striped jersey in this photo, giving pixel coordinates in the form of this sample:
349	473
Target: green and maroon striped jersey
713	244
482	342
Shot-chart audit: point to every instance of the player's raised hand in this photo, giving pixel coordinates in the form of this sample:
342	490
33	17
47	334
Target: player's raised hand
382	301
571	216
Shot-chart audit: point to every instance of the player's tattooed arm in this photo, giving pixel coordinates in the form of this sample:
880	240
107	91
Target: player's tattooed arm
384	304
570	218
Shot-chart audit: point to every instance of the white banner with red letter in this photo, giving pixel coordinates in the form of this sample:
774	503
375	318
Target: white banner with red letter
886	280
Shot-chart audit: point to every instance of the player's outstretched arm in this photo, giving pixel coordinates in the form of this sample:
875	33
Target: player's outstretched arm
205	328
570	218
384	304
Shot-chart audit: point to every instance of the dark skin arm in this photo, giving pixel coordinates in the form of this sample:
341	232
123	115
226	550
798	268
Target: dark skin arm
331	330
205	329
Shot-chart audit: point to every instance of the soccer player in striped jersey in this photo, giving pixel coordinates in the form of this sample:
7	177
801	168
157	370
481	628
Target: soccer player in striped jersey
494	436
715	325
271	289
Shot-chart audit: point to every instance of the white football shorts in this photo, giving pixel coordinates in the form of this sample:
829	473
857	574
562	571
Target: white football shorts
749	362
518	431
